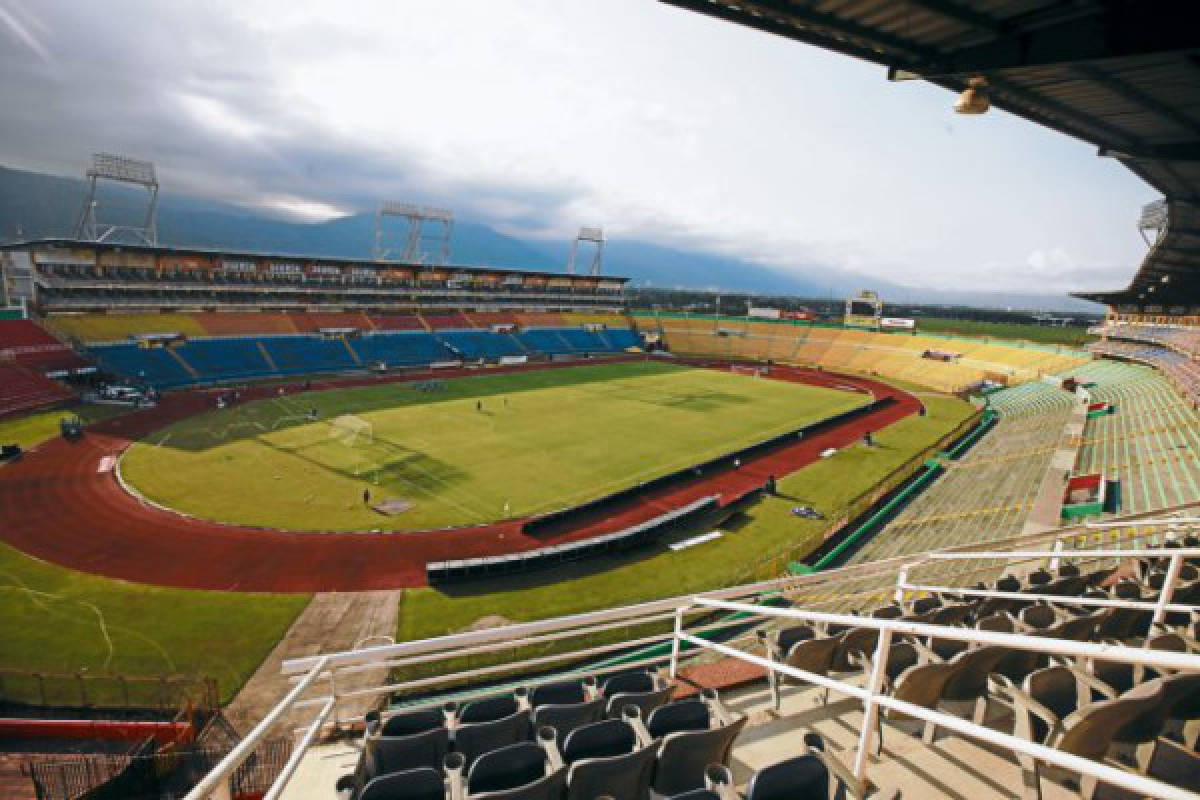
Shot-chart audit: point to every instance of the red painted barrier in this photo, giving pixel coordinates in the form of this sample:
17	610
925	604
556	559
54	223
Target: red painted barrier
103	730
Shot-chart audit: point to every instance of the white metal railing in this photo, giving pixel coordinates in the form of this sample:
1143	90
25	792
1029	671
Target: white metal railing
558	632
1160	606
216	783
874	698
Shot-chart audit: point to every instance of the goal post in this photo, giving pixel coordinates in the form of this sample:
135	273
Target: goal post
351	430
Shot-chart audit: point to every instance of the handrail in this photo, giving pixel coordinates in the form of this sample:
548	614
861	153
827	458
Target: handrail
219	775
519	631
1098	602
334	665
1145	786
1021	555
1142	522
1065	647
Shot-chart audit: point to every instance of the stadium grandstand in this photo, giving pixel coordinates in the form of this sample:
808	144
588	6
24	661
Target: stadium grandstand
169	318
1016	614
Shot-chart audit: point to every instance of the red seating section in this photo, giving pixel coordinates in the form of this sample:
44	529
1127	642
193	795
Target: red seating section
398	322
440	322
23	342
238	323
485	319
23	388
313	322
547	320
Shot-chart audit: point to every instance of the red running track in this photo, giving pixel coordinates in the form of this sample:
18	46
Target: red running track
57	504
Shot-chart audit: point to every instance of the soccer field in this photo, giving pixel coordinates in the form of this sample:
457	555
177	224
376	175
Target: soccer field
483	448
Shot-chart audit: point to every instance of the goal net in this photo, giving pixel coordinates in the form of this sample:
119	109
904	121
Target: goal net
351	430
754	372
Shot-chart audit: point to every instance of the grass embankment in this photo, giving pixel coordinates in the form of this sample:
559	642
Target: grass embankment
1041	334
57	620
31	429
758	542
481	449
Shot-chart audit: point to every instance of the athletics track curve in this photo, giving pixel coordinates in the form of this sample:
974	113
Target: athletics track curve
60	504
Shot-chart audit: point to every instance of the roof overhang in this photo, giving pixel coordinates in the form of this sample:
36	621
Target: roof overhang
1121	74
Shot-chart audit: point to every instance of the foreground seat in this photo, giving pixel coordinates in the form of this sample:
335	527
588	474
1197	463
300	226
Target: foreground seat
566	705
641	688
400	743
606	758
800	647
414	784
522	771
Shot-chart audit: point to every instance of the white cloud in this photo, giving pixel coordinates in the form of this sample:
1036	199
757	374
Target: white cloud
545	115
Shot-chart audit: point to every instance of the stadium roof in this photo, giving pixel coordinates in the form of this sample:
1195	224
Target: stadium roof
208	252
1123	75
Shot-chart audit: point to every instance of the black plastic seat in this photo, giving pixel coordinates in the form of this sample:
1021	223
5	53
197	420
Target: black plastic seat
787	638
887	612
384	754
425	783
802	778
475	739
507	768
604	739
1008	584
559	693
622	777
684	756
549	787
1038	617
625	682
488	709
643	701
412	722
682	715
568	717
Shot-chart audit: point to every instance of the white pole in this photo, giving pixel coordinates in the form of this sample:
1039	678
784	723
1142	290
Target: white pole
1168	589
871	705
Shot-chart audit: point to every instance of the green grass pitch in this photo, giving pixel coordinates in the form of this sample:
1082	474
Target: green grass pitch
60	620
483	448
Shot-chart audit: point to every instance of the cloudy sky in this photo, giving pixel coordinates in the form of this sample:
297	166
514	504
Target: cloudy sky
539	116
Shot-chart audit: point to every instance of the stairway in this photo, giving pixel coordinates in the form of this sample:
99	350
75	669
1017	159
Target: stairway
183	363
266	356
350	350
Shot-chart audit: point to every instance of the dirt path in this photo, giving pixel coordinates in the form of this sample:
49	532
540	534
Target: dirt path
333	621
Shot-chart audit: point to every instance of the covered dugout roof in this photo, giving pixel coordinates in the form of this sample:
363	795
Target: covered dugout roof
1123	75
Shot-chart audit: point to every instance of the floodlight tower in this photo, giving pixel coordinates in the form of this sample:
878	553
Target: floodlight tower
1153	221
118	169
593	236
415	220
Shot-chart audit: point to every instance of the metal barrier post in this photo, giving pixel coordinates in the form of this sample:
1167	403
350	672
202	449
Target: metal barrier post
901	579
870	706
675	642
1168	588
1058	547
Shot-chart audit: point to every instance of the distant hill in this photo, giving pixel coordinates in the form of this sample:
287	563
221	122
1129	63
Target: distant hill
34	205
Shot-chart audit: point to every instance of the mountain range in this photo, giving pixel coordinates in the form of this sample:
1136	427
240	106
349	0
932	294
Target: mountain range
36	205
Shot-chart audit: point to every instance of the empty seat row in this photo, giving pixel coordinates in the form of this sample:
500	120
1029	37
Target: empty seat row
622	756
1088	707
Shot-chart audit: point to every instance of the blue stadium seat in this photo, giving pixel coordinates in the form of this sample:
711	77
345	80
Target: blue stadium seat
155	366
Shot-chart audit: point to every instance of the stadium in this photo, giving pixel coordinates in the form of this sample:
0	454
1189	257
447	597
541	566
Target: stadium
288	525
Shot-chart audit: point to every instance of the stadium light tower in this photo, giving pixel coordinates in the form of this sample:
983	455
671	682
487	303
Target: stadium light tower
118	169
593	236
417	221
1153	221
